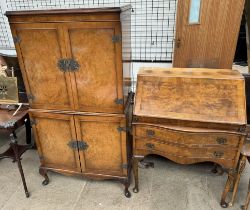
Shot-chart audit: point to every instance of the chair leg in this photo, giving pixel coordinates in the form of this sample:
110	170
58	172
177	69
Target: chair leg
242	164
247	199
14	146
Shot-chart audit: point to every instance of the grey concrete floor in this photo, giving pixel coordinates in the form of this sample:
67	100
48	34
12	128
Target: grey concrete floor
168	186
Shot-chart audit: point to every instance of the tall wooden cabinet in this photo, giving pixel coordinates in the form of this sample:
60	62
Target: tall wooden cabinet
76	69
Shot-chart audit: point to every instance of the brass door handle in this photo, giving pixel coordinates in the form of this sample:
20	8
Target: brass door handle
150	133
150	146
221	140
218	154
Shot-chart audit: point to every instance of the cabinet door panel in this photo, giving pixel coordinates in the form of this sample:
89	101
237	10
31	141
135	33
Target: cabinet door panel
53	132
106	151
39	49
98	83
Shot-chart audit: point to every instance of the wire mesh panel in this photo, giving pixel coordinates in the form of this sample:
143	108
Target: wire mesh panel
153	23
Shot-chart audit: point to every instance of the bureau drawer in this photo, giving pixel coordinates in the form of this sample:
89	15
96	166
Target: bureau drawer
153	146
186	137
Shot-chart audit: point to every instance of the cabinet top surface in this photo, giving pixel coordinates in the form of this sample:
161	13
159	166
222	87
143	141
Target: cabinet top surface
203	95
68	11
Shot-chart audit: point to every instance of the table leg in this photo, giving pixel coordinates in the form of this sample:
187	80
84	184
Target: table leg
28	131
230	180
14	146
242	164
245	207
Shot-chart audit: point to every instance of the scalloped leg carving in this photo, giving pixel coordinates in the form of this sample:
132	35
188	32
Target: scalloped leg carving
230	180
245	206
241	167
43	172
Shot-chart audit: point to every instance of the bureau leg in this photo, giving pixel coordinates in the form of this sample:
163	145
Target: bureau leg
242	164
135	171
230	180
217	169
144	164
43	172
245	207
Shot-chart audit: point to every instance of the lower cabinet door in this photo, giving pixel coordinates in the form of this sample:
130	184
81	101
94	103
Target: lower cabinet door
56	138
103	144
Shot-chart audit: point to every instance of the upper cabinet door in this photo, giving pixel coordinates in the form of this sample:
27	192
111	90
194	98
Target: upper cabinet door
207	33
39	48
96	46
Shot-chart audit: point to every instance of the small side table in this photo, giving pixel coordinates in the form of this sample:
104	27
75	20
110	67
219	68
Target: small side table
9	124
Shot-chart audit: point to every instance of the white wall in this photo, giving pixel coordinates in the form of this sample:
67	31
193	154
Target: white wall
153	23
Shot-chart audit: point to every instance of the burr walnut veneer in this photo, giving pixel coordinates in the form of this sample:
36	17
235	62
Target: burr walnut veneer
190	116
76	69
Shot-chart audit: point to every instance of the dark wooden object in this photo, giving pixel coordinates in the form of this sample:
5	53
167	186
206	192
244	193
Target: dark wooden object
190	116
9	123
244	155
76	70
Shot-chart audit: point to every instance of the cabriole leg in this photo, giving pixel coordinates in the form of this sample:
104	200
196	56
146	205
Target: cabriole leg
230	180
242	164
217	169
144	164
245	207
43	172
126	191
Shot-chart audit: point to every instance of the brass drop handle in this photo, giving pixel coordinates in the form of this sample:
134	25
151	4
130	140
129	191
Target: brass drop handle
150	133
221	140
150	146
218	154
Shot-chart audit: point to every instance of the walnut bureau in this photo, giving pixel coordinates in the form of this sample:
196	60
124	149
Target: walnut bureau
76	69
190	116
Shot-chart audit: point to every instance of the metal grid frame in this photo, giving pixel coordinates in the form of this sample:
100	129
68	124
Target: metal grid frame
152	23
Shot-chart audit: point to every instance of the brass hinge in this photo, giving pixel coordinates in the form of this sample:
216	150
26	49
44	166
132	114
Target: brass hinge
125	129
30	97
119	101
16	39
125	166
116	38
81	145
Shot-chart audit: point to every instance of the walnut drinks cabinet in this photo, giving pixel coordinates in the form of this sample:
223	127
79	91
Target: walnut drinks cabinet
76	69
190	116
